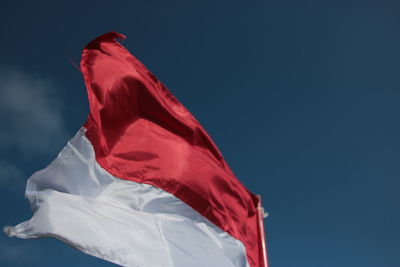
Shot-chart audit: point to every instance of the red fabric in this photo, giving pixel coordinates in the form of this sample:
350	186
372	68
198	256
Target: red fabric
141	132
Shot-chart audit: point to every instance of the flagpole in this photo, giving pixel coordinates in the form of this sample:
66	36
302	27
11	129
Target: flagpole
262	231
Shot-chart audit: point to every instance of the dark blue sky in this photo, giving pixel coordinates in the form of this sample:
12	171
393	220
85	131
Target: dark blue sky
302	98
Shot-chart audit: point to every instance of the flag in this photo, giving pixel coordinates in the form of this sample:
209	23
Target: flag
142	183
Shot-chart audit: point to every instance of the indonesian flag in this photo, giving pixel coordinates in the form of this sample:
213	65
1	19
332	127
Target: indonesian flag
142	183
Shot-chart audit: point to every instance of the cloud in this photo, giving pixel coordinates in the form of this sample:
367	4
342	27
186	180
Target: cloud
30	113
31	123
15	251
11	174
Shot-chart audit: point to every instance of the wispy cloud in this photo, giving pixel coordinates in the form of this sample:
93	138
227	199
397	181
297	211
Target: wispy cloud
15	251
31	122
11	174
30	113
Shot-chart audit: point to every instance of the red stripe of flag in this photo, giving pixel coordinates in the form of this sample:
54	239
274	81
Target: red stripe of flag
142	133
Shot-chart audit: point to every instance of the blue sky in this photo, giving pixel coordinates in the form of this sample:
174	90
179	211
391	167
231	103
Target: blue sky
302	98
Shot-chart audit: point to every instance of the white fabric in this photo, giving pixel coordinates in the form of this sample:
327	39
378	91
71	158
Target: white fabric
128	223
